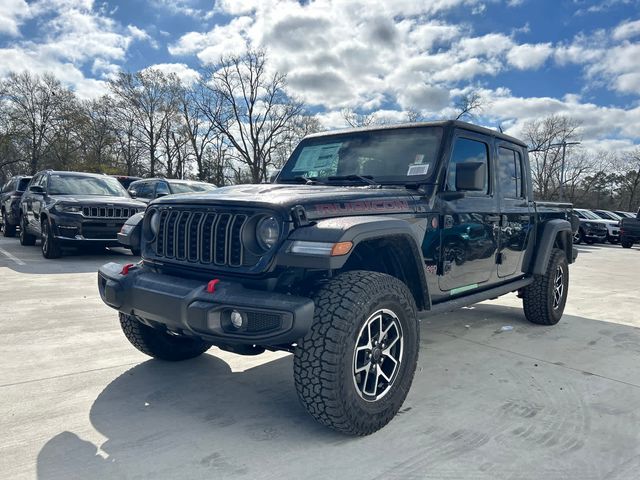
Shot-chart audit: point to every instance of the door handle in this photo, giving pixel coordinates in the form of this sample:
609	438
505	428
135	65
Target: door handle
524	217
492	218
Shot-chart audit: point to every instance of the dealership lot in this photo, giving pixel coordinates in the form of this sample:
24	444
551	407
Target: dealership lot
78	401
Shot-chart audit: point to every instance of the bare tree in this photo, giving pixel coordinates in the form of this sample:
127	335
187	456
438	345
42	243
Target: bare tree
33	107
355	119
200	132
468	104
150	97
629	180
543	136
252	108
98	135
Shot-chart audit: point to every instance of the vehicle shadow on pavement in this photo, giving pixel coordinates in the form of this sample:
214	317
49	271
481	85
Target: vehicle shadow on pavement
160	415
527	402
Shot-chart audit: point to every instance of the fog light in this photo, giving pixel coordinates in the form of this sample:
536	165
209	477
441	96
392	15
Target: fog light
237	319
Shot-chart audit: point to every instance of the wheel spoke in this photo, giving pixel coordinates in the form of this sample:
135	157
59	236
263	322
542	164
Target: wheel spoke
375	368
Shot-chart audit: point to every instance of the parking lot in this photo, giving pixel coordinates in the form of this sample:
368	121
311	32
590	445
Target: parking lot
78	401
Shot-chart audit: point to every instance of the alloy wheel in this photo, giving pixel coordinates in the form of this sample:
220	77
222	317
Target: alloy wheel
558	287
378	355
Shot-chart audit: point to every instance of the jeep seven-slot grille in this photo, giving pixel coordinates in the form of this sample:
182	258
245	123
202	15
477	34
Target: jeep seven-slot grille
108	212
201	237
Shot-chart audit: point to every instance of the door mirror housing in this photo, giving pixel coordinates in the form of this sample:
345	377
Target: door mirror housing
133	193
161	194
470	177
36	189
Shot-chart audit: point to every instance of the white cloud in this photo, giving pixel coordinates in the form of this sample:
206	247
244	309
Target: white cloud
626	30
187	75
73	34
528	56
12	13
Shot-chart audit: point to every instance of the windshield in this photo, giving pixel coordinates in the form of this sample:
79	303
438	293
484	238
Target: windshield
392	156
607	215
589	215
85	185
191	187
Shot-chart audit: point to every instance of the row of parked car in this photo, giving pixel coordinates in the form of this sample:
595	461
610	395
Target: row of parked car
599	226
75	209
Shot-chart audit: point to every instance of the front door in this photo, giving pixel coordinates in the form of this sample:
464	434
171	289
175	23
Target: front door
516	221
469	232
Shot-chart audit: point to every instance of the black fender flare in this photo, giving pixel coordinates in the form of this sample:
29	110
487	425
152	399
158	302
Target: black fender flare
357	229
547	235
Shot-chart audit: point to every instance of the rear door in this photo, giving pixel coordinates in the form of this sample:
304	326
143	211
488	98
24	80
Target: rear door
515	211
469	225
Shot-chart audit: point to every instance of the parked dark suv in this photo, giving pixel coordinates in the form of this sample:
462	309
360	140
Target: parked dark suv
74	209
10	203
152	188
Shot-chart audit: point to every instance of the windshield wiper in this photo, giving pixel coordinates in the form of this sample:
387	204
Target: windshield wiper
300	179
368	179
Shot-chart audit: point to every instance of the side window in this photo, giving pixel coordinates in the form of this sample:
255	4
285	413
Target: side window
162	188
466	150
510	173
144	190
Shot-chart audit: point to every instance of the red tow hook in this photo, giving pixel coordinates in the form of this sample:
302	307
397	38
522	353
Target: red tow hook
211	286
127	267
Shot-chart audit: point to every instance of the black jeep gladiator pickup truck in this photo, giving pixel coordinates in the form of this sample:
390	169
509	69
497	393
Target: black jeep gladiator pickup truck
363	232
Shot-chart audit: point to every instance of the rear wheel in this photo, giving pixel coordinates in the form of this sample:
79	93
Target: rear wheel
160	344
50	245
544	300
354	367
26	238
8	230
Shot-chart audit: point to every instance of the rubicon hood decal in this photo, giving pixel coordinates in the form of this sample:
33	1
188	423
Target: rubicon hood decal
362	206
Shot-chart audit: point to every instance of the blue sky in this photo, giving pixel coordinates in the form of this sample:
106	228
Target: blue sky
527	58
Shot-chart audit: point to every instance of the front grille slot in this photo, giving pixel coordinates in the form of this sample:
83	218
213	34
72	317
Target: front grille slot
108	212
202	237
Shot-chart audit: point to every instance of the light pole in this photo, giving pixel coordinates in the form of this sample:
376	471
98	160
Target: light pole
564	151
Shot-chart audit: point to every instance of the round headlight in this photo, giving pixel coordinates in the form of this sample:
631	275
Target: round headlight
267	232
154	223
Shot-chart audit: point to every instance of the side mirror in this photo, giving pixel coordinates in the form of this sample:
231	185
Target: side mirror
133	193
36	189
470	176
161	194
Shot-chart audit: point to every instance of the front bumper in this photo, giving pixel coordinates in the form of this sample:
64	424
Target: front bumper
185	307
75	229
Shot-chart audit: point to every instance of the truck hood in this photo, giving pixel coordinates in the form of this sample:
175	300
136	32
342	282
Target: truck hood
601	222
318	200
98	200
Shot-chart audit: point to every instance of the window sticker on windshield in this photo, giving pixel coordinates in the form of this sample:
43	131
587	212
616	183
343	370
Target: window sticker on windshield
315	158
420	169
419	158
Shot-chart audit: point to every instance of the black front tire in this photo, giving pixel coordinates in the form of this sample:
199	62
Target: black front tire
160	344
626	243
26	239
135	251
8	230
544	300
330	385
49	244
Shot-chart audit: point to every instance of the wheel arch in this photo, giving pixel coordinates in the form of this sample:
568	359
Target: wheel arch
380	244
556	233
